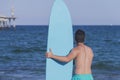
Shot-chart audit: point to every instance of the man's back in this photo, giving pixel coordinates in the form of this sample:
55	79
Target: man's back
83	59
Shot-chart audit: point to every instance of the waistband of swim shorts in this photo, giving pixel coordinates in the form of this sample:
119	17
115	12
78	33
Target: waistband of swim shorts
82	74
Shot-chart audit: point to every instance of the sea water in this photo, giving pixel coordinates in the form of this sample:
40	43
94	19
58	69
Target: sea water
22	51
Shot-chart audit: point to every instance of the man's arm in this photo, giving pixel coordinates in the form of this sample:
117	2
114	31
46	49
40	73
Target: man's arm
67	58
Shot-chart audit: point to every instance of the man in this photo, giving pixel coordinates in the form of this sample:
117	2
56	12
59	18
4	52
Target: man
81	54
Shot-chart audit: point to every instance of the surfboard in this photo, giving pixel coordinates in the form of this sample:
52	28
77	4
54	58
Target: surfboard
60	40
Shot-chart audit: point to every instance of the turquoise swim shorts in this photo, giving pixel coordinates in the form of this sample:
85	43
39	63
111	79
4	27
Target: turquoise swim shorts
82	77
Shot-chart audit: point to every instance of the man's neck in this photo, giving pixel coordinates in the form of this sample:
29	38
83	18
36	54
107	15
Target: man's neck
80	44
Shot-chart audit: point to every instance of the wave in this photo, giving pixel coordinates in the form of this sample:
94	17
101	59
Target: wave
27	50
103	65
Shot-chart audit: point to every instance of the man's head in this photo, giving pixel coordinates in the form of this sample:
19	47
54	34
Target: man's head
80	36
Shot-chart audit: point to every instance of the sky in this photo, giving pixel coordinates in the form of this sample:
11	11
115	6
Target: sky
83	12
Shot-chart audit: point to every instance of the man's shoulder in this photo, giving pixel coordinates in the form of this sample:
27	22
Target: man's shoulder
75	49
90	50
88	47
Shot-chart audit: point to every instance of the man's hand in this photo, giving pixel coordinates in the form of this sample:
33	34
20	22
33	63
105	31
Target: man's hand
49	54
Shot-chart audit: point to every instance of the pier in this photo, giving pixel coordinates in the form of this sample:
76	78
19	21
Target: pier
5	22
8	22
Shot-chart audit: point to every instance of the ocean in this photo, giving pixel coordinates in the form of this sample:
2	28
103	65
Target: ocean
22	51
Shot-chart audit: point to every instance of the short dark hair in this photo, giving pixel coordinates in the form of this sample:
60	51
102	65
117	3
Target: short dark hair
80	36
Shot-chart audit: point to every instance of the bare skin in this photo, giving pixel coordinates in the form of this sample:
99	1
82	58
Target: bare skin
82	55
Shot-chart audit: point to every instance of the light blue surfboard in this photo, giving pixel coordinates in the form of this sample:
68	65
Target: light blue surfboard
60	40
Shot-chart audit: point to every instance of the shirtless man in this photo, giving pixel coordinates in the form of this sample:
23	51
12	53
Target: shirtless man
82	55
